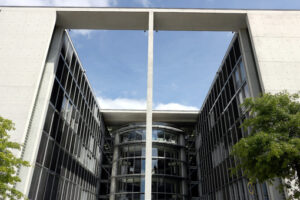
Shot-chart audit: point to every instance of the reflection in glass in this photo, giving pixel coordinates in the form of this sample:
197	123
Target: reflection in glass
166	163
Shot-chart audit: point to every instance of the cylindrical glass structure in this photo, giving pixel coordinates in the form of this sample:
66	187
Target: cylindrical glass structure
168	162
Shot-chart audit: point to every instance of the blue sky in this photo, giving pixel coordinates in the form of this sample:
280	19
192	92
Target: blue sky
184	62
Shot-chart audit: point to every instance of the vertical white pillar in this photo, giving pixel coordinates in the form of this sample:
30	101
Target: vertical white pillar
148	170
113	182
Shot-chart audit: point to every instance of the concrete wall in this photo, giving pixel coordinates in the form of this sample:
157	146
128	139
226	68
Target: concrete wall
275	37
24	42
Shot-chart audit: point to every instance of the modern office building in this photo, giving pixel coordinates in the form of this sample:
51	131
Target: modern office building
78	151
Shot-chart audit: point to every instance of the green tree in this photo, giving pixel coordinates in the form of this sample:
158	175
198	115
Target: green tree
9	162
272	148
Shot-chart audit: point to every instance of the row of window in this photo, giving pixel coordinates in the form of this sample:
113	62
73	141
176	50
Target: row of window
160	135
69	156
160	166
219	128
161	186
166	163
139	150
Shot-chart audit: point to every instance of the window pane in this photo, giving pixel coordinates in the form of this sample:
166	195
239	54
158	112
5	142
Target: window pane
143	166
34	182
42	184
48	119
41	152
242	70
48	154
237	78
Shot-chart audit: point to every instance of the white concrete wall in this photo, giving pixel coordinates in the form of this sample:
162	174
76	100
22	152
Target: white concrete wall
275	37
24	42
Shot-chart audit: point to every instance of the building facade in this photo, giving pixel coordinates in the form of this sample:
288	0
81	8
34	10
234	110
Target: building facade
168	162
78	151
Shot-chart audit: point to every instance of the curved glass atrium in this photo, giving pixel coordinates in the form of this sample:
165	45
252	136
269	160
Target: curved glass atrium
168	162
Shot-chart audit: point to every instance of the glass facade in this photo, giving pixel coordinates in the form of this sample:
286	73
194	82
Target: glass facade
78	158
71	148
167	163
218	129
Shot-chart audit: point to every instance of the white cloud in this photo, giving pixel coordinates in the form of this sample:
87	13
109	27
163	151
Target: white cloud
139	104
71	3
122	103
174	106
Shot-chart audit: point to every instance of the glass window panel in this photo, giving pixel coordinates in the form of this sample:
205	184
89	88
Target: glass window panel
59	67
59	161
154	184
42	184
129	184
55	186
122	167
59	100
59	131
54	125
142	185
131	136
49	187
137	166
161	166
48	154
136	185
241	97
170	167
130	166
48	119
160	135
161	152
154	166
64	76
131	150
64	135
54	157
154	152
34	182
246	90
161	185
242	71
154	134
124	137
143	166
68	141
169	186
54	92
69	82
237	49
232	58
138	151
237	78
64	107
42	148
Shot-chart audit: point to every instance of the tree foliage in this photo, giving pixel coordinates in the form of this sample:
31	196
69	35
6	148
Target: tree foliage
272	148
9	162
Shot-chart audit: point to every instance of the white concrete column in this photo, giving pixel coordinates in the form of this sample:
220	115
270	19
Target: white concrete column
148	170
114	170
183	165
